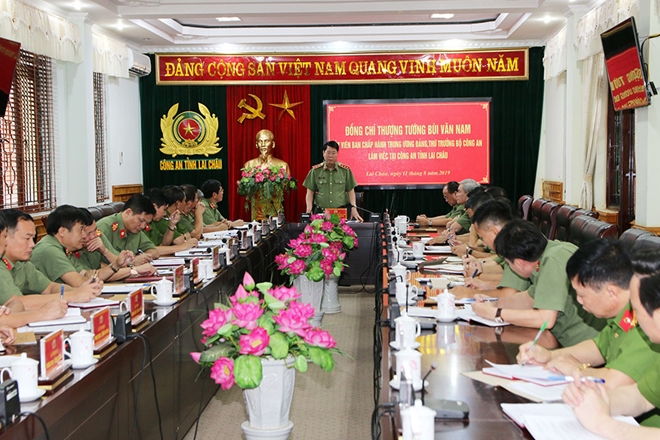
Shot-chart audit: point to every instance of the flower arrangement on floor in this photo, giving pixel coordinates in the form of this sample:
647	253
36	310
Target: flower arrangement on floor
320	250
264	185
262	321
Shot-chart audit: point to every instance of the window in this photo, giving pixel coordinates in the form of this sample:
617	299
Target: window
99	138
26	138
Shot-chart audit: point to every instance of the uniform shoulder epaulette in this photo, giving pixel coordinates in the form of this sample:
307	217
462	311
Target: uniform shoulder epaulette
317	166
343	165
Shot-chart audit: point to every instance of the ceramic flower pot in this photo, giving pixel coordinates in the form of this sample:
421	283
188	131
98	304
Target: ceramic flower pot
311	293
330	303
269	404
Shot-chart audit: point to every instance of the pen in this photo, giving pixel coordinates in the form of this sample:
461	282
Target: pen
475	273
572	379
471	300
62	291
536	339
140	251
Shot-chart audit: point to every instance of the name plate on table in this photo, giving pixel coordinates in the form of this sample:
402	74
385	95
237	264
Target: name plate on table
51	348
215	255
101	327
194	265
341	212
179	282
135	302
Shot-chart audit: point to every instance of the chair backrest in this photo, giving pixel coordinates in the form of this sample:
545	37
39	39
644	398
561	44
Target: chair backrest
630	236
535	211
116	206
584	228
587	212
649	242
562	221
96	212
106	209
548	224
524	204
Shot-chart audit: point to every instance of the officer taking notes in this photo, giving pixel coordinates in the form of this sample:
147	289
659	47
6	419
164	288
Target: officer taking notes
331	184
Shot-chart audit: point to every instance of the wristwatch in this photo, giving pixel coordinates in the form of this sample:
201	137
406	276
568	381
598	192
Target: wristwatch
498	316
430	222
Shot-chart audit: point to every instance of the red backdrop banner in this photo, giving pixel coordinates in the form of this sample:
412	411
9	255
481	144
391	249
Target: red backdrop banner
501	64
418	142
292	137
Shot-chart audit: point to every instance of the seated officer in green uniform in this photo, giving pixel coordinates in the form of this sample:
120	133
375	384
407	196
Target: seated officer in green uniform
593	405
192	213
124	230
461	223
213	219
13	313
546	294
162	229
19	278
331	184
600	272
449	194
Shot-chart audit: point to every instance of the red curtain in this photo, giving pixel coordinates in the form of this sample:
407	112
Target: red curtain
292	139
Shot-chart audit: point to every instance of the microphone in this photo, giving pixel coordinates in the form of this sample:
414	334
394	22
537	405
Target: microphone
431	369
373	217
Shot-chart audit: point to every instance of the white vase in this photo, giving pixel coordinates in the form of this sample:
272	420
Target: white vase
311	293
268	405
330	303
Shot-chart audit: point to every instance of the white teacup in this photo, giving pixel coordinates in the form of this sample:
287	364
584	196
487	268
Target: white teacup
2	374
418	422
25	372
163	290
81	344
401	226
413	292
403	218
446	306
408	362
401	290
400	273
418	249
407	329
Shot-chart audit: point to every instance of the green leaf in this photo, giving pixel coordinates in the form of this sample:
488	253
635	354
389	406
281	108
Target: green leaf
273	303
247	371
279	345
223	349
315	273
264	287
300	364
336	271
348	242
322	358
225	330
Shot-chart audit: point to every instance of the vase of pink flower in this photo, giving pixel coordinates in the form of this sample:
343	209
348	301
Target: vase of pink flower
256	342
264	189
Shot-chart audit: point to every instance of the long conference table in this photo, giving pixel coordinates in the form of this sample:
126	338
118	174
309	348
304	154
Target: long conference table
99	402
453	348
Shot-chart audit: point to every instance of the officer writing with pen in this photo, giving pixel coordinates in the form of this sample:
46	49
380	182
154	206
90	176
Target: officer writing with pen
331	184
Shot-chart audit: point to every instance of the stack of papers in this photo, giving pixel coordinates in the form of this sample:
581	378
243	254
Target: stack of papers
96	302
467	314
437	249
551	421
168	262
529	373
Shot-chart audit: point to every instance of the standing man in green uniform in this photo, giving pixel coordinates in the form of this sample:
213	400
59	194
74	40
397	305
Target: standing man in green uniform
213	219
546	294
331	184
449	193
592	404
124	230
600	273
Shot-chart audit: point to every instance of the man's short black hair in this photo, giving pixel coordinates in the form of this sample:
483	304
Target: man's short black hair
190	191
496	192
600	262
331	144
87	217
3	222
495	212
157	197
452	186
173	193
209	187
522	240
646	265
12	216
140	204
477	200
64	216
476	190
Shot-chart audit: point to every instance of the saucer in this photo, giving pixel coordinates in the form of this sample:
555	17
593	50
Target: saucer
395	345
84	365
395	384
164	303
31	397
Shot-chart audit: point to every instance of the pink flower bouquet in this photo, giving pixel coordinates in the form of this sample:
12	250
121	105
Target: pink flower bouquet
269	183
320	250
261	320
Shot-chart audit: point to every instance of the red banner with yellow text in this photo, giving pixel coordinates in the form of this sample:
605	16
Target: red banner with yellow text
327	68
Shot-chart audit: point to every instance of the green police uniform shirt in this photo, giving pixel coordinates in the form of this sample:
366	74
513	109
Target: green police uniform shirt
331	186
649	387
456	210
25	279
86	260
50	258
464	220
211	214
158	229
625	347
120	239
186	224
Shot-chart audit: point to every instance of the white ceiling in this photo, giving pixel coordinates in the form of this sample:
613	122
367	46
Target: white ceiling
324	25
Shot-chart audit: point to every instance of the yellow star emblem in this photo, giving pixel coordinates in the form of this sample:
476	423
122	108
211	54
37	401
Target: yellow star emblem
286	106
188	129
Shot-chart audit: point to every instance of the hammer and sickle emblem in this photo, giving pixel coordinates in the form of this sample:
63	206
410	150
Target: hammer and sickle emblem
254	112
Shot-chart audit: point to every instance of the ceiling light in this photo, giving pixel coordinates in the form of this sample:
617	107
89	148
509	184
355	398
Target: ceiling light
445	16
547	19
77	5
228	18
120	25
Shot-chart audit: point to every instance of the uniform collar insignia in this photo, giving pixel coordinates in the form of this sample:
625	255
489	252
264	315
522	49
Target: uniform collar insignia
7	263
115	226
122	233
98	232
69	253
212	205
147	228
628	321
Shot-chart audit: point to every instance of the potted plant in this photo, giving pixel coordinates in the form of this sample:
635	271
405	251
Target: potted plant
257	342
264	188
